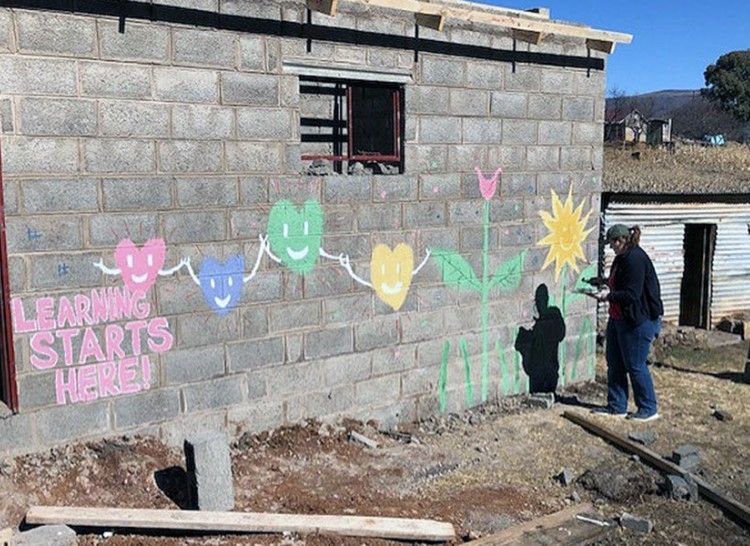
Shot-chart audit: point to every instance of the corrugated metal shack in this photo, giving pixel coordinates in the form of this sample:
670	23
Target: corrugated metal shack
693	207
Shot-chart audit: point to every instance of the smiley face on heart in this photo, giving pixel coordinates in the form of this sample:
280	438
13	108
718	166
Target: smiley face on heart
221	283
140	266
391	272
295	234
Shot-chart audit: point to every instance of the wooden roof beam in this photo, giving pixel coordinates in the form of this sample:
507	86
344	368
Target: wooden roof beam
431	20
528	36
606	46
326	7
544	12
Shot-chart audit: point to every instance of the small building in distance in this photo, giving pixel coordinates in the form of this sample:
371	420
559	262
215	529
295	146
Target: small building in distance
635	127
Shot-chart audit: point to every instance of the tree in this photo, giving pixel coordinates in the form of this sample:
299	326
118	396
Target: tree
728	84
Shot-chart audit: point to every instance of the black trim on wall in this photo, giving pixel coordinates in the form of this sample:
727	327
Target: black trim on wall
146	11
634	197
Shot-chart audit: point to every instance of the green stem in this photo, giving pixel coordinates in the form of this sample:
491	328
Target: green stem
485	302
467	373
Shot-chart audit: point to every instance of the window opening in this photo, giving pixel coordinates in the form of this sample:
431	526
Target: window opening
351	126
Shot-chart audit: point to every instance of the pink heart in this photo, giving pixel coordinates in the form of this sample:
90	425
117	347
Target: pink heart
487	186
140	266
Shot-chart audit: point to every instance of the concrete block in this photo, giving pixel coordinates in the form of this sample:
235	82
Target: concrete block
329	342
249	89
16	432
340	308
204	47
46	535
519	131
587	133
424	99
508	105
189	365
21	75
576	158
264	10
294	378
378	218
250	157
510	157
427	159
59	195
255	354
429	214
520	235
264	124
17	275
138	43
146	408
151	193
678	488
418	382
209	472
291	316
207	192
134	119
195	121
388	189
645	437
218	393
254	322
635	523
115	80
61	34
441	71
526	78
66	270
578	108
375	333
257	417
253	53
468	102
558	80
29	155
253	189
439	130
320	404
439	186
186	85
7	123
544	107
346	189
195	227
465	158
347	369
382	58
483	131
379	391
267	286
393	360
687	456
40	233
119	156
554	132
65	423
190	156
421	326
196	330
543	158
6	22
484	75
40	116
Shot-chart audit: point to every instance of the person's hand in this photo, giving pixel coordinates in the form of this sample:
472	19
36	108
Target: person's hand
601	296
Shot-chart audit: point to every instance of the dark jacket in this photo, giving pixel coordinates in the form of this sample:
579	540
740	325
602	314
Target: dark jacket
636	286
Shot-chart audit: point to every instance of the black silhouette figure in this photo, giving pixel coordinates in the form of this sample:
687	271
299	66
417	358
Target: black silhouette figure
538	346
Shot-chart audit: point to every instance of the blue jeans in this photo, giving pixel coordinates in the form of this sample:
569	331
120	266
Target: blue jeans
627	349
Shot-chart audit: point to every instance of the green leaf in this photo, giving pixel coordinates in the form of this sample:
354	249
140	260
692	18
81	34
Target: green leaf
508	276
456	270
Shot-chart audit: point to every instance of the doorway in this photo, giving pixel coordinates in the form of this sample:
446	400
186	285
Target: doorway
695	291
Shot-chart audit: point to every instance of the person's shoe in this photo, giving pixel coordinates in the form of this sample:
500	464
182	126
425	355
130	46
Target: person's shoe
642	416
606	410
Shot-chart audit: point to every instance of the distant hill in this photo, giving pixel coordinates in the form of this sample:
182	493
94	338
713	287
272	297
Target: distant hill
692	115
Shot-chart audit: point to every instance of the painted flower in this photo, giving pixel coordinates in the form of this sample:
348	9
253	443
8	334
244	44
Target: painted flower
567	232
488	186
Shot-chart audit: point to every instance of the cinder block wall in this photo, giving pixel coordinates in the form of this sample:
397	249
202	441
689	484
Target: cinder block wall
191	135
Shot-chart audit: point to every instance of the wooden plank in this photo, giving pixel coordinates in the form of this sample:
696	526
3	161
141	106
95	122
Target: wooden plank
430	20
533	24
544	12
601	45
513	534
327	7
243	522
528	36
709	491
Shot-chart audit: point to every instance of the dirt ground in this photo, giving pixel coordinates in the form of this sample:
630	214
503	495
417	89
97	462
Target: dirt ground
482	470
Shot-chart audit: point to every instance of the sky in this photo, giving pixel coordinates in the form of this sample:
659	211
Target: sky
673	40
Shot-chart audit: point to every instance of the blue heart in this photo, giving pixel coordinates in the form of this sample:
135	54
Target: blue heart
221	283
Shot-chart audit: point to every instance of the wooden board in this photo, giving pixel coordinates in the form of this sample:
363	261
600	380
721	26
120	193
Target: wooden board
710	492
239	522
561	528
328	7
436	22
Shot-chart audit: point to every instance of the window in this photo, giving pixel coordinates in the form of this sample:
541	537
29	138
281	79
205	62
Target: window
351	127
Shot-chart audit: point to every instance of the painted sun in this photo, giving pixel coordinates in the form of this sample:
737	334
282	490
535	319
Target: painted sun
567	232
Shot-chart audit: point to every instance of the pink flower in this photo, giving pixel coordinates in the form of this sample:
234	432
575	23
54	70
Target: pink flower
488	186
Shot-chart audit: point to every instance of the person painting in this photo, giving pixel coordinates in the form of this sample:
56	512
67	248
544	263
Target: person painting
635	310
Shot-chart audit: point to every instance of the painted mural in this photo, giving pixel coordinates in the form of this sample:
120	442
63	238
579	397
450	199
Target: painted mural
99	342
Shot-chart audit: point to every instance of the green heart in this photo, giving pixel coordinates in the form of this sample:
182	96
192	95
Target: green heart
294	235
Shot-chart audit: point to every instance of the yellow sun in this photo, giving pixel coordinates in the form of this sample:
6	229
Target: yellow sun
567	232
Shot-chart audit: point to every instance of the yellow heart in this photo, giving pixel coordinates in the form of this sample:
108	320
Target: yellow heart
390	273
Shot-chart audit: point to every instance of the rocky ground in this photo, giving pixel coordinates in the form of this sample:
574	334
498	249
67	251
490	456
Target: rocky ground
482	470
